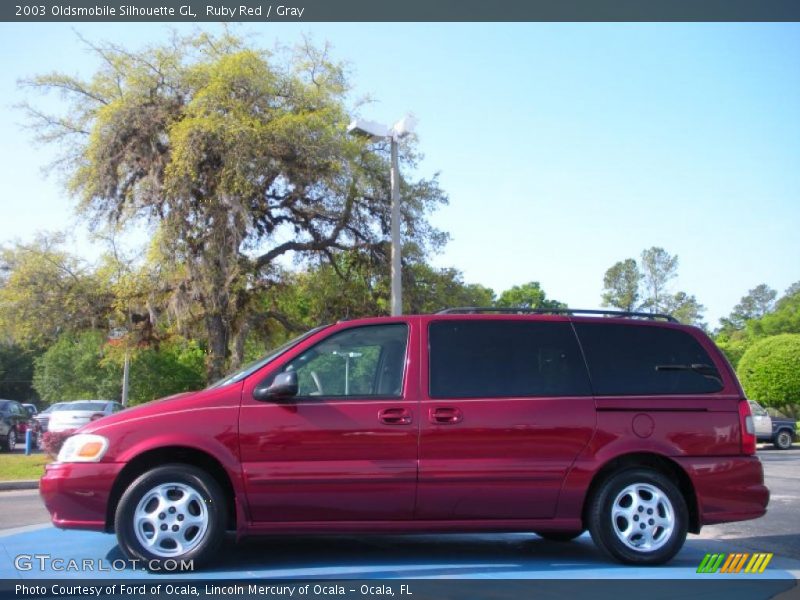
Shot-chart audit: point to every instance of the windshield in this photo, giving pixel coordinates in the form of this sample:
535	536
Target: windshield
254	366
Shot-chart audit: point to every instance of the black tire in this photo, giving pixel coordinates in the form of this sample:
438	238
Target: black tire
10	442
166	486
559	536
652	544
783	439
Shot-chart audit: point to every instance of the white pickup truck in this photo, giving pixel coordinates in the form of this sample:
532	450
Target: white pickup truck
780	431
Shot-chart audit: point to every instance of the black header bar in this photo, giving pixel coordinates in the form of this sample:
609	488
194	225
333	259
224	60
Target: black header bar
398	10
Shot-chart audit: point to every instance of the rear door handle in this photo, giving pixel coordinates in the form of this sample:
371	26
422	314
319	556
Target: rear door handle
446	415
395	416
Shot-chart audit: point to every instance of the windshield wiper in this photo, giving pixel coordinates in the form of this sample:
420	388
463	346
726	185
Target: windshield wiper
703	369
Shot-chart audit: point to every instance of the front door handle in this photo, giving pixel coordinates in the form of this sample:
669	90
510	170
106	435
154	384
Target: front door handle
446	415
395	416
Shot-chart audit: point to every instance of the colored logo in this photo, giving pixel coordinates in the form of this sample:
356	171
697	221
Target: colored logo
735	563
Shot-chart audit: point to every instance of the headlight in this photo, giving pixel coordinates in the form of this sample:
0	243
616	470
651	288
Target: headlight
83	447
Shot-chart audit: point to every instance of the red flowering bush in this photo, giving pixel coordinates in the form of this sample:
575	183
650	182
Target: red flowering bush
53	440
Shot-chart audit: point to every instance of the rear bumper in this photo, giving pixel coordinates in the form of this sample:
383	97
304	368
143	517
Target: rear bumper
76	494
727	488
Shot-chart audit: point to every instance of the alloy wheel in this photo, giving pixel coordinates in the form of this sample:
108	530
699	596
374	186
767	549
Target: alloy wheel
643	517
171	519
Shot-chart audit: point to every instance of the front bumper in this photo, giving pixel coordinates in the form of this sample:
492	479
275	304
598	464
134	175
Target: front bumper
77	494
728	489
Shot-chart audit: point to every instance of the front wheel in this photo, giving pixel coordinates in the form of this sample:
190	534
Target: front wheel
783	441
639	517
175	512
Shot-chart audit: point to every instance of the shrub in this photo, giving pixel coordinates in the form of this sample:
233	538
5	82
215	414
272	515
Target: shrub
770	370
53	440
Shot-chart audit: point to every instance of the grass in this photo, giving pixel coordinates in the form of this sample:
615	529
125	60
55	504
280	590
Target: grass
17	466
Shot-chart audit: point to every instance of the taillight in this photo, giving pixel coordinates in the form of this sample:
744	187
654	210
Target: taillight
747	427
96	416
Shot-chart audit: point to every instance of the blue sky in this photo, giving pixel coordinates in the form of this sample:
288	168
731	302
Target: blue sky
563	147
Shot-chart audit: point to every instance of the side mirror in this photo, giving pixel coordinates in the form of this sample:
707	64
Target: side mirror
283	386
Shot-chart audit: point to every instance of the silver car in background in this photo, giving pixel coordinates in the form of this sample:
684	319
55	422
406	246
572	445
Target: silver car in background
43	417
71	415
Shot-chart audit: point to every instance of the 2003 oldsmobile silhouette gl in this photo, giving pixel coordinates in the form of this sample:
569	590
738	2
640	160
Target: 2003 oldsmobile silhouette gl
633	428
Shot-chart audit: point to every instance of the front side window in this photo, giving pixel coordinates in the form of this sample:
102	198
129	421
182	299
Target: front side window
646	360
495	359
362	361
254	366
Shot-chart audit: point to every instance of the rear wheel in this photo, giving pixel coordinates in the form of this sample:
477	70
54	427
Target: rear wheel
175	512
639	517
559	536
783	441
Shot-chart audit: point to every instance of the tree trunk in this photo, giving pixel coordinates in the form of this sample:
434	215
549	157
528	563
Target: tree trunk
218	334
237	352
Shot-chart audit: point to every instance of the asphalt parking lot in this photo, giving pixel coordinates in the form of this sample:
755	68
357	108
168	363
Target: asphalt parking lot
484	556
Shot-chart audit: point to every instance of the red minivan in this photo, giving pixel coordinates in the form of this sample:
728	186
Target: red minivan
631	426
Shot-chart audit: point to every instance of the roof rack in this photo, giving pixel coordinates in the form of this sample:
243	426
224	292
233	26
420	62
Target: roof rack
465	310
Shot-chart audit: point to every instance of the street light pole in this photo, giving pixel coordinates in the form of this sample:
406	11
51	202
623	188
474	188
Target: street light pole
397	286
126	369
376	131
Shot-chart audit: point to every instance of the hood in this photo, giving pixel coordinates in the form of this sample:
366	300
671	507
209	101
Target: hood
170	404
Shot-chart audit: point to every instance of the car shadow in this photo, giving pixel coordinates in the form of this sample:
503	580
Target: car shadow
412	556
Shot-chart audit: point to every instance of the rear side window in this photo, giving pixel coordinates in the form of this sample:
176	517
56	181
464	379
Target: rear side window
644	360
496	359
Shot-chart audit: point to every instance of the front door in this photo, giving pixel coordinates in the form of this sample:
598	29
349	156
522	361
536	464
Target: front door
345	448
509	409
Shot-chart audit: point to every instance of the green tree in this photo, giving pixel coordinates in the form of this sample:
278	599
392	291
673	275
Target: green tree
621	285
755	304
238	157
16	372
686	309
73	368
430	290
527	295
85	366
770	371
784	319
659	267
45	291
646	286
177	366
735	339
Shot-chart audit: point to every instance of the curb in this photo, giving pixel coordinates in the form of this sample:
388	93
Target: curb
22	484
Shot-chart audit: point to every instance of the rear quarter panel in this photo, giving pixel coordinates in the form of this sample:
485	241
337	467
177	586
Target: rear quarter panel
673	427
